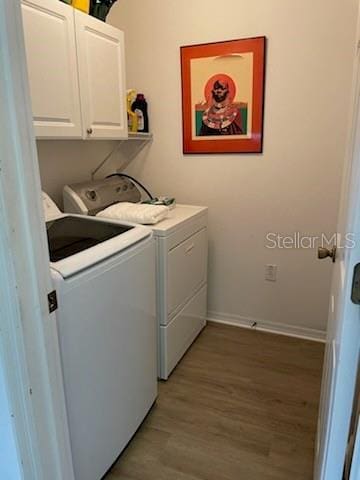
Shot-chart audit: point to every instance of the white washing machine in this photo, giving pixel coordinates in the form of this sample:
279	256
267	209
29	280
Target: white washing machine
181	263
104	274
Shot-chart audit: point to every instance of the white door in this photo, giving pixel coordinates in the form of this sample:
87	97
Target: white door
343	338
30	369
101	60
52	68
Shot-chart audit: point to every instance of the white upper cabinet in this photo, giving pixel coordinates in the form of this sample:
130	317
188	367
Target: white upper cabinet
52	67
76	73
101	56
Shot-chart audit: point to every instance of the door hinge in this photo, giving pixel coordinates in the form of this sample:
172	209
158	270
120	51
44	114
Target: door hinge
355	289
52	301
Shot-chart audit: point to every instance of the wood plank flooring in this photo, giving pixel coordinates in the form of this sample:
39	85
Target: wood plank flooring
240	405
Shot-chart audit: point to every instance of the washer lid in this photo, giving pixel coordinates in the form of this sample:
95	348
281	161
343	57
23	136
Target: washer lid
70	235
50	208
77	242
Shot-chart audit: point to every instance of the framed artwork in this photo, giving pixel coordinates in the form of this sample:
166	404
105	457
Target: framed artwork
223	96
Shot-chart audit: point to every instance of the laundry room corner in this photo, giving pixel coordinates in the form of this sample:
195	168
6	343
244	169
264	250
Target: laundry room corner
284	190
180	240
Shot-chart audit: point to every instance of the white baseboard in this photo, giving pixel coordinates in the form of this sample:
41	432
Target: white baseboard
265	326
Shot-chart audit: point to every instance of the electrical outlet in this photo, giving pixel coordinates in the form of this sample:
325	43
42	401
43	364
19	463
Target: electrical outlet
271	272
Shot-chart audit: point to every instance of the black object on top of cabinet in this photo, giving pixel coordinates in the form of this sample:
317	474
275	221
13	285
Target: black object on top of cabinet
100	8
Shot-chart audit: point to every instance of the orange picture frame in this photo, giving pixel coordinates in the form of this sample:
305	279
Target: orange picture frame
223	87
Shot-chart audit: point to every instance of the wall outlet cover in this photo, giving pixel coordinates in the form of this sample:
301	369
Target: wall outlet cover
271	272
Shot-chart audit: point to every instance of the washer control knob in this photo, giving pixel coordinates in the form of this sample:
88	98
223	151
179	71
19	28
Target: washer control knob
91	195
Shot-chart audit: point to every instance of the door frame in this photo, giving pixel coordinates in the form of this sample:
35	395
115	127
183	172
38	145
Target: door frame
348	218
29	348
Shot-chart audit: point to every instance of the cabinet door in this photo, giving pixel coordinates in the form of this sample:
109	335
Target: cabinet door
100	50
52	67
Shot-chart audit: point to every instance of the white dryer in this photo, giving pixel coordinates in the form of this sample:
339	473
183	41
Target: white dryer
104	274
181	263
181	259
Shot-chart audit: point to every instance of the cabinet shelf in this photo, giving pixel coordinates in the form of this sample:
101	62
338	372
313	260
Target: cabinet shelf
138	139
145	137
135	143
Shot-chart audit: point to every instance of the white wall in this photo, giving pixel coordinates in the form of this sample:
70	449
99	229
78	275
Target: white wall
64	162
294	186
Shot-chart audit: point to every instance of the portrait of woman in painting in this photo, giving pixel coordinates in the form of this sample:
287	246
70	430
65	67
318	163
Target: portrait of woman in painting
222	116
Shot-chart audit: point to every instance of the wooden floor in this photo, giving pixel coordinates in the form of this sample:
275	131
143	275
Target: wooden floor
241	405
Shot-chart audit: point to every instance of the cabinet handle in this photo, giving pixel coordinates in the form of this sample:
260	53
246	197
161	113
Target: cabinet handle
89	131
189	248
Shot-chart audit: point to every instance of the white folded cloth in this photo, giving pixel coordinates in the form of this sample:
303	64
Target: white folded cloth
135	212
